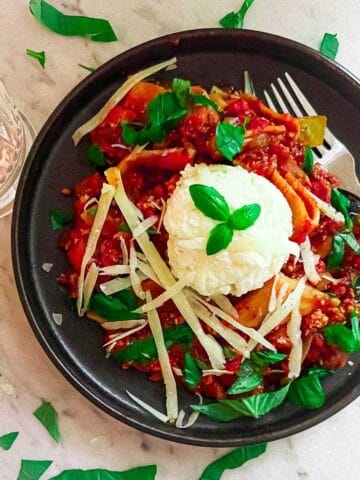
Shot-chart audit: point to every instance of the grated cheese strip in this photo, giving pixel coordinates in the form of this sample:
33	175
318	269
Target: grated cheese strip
114	270
192	419
309	262
134	277
217	373
294	332
272	300
123	324
212	348
116	285
116	97
172	408
162	215
328	209
233	338
124	251
107	194
148	271
124	334
144	226
224	303
160	416
89	284
251	332
277	317
162	298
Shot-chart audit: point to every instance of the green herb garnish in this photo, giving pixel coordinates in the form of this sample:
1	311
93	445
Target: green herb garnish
7	440
266	357
213	205
307	392
95	155
148	472
49	417
33	469
229	139
124	227
255	406
345	338
40	56
248	379
236	19
355	283
97	29
341	203
59	218
114	307
181	90
308	163
338	248
231	460
89	69
329	45
91	211
321	372
192	374
205	101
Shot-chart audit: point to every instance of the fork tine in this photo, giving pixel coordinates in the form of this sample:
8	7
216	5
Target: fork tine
289	98
269	101
308	108
248	83
279	99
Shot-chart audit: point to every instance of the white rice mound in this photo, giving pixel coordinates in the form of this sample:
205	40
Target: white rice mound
253	256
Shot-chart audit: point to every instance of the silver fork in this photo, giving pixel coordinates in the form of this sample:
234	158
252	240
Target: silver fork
332	154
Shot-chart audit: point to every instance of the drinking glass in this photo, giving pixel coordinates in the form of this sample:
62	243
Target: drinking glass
16	136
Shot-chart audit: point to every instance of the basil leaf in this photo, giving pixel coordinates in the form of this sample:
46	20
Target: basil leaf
356	286
48	416
308	163
244	217
231	460
350	239
33	469
97	29
89	69
262	358
229	354
210	202
337	252
145	350
307	392
40	56
192	374
229	139
148	134
355	327
329	45
341	203
255	406
7	440
164	111
147	472
181	89
124	227
111	308
202	100
128	298
95	155
58	218
219	238
248	379
92	210
343	337
236	19
202	365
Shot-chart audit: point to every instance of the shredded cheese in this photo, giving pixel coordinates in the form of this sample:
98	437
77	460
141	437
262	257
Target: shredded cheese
124	251
167	373
89	284
294	333
134	277
192	419
272	300
58	318
116	285
124	334
148	271
114	270
328	210
212	348
217	373
280	314
144	226
224	303
47	267
309	262
123	324
160	416
116	97
107	194
162	298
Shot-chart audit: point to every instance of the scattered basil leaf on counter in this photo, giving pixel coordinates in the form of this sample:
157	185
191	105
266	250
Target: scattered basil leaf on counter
39	56
97	29
210	202
308	163
345	338
192	374
255	406
266	357
307	392
219	238
111	308
33	469
59	218
234	459
7	440
148	472
229	139
181	89
341	203
145	350
89	69
244	217
236	19
48	416
337	252
321	372
248	379
95	155
329	45
205	101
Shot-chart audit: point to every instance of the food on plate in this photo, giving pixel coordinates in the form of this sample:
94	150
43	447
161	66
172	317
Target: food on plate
212	249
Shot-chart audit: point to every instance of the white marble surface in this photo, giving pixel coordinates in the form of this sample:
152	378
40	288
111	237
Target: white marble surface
91	438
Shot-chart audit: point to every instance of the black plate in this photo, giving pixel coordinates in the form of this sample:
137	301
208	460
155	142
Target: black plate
206	57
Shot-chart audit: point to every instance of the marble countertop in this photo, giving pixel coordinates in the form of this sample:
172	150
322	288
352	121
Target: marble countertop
91	438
